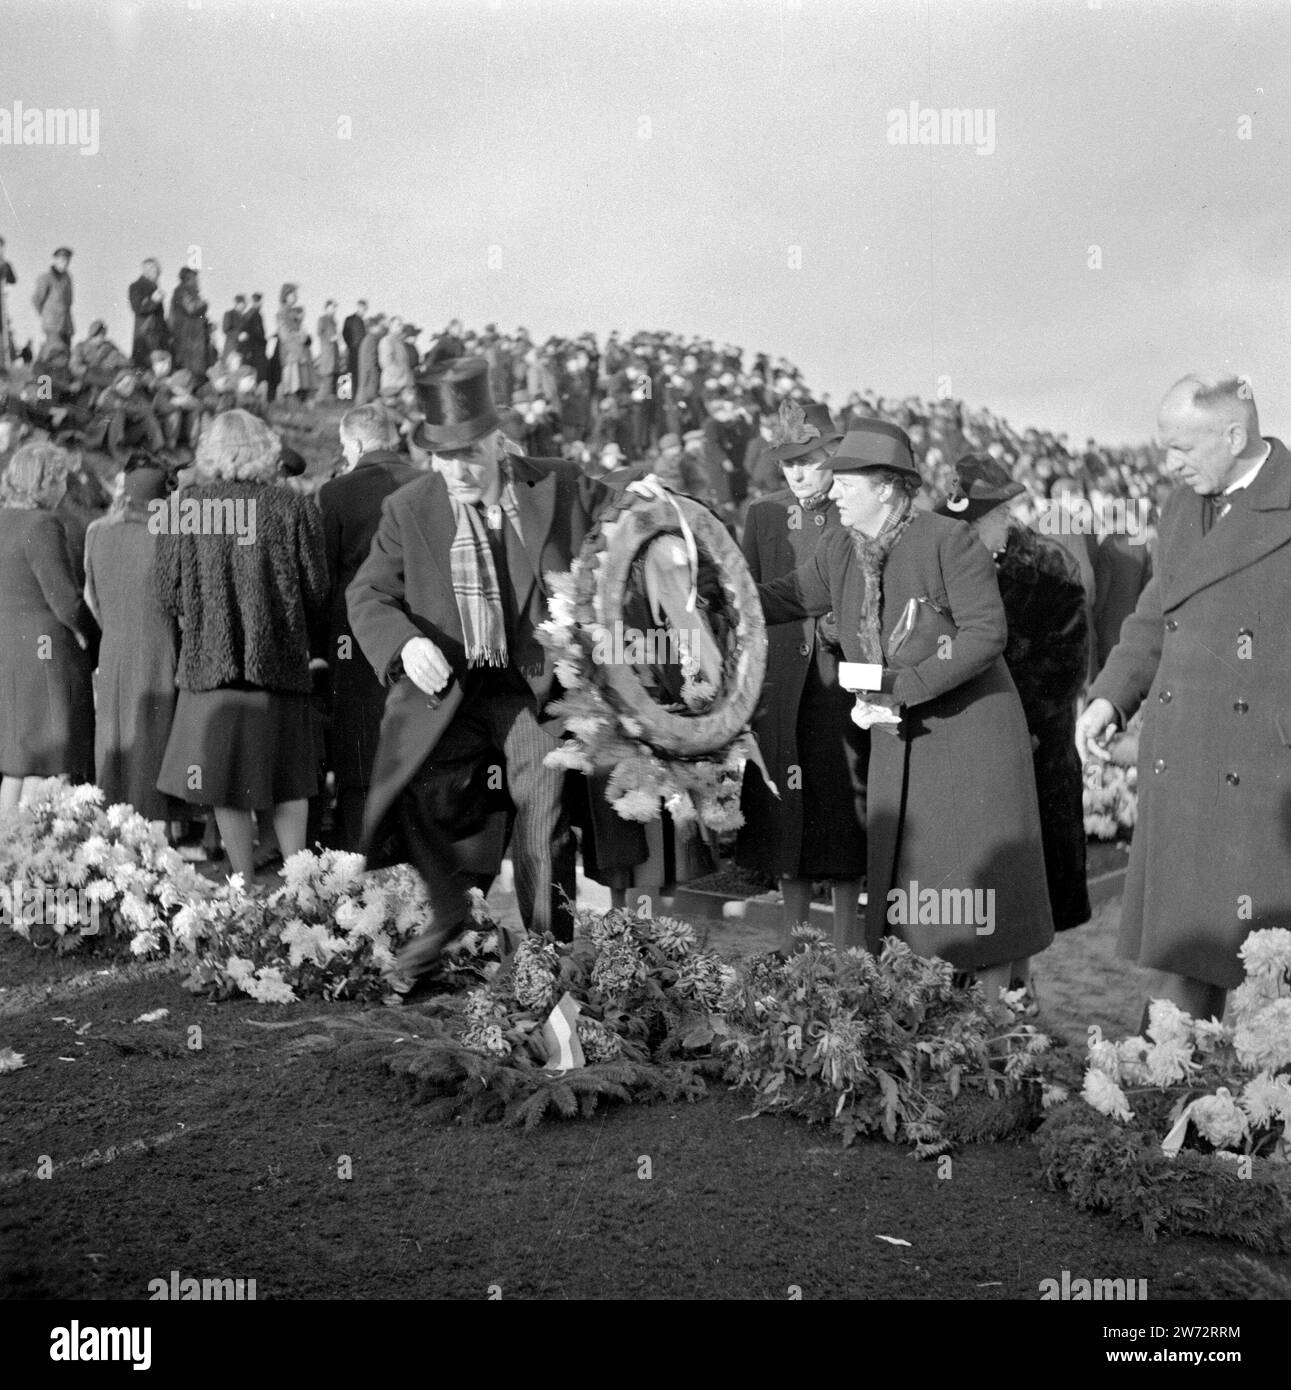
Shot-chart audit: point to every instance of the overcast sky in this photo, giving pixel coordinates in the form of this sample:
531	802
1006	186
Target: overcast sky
725	169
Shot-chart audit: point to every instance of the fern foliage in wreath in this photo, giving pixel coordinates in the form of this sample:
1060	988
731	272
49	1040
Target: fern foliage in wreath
668	739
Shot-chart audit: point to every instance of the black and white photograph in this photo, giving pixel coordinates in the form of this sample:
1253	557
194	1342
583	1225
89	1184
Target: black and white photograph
644	657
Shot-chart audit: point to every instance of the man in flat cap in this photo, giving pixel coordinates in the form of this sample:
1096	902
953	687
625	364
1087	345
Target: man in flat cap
446	608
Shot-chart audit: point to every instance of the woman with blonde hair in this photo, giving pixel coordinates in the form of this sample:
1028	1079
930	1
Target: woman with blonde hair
241	564
46	691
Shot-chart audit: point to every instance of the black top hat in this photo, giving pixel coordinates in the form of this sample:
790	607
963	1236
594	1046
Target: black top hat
875	444
457	404
799	430
981	485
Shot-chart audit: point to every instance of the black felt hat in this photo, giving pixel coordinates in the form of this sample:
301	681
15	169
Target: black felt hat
800	429
981	485
457	404
875	444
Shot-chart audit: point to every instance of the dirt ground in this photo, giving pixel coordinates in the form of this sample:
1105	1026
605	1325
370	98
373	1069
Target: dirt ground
228	1161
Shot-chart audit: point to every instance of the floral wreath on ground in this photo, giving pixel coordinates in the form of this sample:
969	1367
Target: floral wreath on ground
103	874
1189	1127
688	758
637	994
332	931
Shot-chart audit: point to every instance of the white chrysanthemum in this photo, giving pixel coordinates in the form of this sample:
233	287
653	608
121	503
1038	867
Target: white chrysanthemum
1103	1055
1267	952
343	874
1218	1119
95	851
569	756
1051	1095
481	912
637	805
1167	1022
187	928
1266	1098
1130	1053
1105	1095
1170	1061
298	871
144	943
1263	1036
269	987
568	674
382	956
721	814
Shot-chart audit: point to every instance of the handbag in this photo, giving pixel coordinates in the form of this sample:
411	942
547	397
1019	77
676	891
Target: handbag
919	633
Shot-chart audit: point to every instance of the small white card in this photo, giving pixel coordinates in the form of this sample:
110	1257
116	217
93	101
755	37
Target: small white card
860	675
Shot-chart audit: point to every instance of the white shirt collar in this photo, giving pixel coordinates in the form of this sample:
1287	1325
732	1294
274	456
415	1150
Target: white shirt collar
1249	476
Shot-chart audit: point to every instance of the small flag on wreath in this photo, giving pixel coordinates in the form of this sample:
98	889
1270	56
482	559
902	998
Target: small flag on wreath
560	1036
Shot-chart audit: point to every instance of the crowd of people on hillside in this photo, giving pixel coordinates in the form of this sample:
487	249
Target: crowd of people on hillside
256	680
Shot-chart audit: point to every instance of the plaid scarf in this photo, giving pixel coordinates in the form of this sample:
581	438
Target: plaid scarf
873	553
475	581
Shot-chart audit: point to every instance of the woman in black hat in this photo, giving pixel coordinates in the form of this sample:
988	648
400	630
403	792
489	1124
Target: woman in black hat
815	754
1047	655
955	865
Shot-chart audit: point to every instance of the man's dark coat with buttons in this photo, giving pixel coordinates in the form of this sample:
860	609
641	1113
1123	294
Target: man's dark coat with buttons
1207	652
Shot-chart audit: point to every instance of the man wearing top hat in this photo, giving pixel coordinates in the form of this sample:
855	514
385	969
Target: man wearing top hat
446	608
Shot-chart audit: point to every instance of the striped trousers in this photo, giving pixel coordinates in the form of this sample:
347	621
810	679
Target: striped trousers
498	716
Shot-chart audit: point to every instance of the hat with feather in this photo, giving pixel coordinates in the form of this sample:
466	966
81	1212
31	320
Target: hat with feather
799	430
981	484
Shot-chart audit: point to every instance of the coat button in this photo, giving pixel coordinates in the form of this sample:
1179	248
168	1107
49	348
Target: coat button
820	521
1232	779
1159	765
1170	625
1240	706
1165	697
804	649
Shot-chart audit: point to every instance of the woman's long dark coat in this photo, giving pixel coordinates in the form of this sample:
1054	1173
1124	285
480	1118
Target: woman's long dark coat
951	797
819	826
1047	656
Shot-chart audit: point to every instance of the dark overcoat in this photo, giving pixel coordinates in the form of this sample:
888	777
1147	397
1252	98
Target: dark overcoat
951	797
1048	657
190	333
151	333
351	507
1121	573
1207	652
779	535
404	590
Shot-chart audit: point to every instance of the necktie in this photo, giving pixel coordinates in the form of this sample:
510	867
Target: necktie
1216	507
